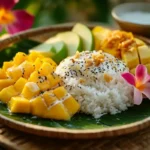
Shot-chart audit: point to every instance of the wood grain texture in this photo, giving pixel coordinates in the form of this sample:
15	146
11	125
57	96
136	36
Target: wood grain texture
42	34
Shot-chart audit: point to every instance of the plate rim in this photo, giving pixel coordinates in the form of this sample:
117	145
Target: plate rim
64	133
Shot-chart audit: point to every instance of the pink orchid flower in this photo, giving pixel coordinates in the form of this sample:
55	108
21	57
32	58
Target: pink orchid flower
140	82
14	20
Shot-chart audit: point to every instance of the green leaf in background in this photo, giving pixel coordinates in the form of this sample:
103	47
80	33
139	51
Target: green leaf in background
78	121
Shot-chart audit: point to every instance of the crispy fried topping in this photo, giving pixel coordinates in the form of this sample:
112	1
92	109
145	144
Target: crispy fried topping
120	40
89	63
98	58
107	77
82	81
77	55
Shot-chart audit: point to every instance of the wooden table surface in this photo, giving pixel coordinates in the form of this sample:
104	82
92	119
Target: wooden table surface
16	140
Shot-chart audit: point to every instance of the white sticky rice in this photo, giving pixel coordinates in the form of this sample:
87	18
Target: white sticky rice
96	96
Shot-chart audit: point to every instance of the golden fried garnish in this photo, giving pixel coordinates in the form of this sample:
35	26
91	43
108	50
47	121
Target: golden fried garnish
89	63
98	58
77	55
107	77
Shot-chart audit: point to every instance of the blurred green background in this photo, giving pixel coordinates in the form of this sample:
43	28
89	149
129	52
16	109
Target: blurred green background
48	12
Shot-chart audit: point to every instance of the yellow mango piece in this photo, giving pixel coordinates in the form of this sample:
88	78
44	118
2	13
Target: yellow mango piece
132	71
112	51
49	98
7	93
144	54
50	61
54	80
46	69
2	74
19	58
27	68
148	67
34	55
19	105
42	81
38	106
30	90
38	63
20	83
72	105
15	72
60	92
58	112
139	42
7	64
5	83
130	58
100	34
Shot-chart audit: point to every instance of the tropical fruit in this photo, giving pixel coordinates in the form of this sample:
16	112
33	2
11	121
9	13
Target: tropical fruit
122	45
28	84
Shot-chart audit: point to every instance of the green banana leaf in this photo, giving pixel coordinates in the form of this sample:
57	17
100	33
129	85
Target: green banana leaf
78	121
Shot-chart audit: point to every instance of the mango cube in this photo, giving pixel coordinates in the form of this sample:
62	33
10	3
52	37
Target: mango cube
5	83
7	64
19	105
49	98
37	64
15	72
130	58
50	61
72	105
7	93
60	92
38	106
30	90
19	58
27	68
20	83
144	54
58	112
2	74
46	69
34	55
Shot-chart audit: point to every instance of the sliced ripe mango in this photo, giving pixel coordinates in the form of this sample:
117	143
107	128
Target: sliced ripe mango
148	67
53	80
130	58
5	83
19	58
33	56
72	105
42	81
7	65
19	105
30	90
15	72
46	69
38	63
20	83
7	93
27	69
60	92
2	74
100	34
49	60
38	106
58	112
144	54
49	98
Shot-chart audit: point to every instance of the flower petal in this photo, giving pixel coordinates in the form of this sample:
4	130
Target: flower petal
146	90
8	4
23	21
137	96
129	78
140	73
